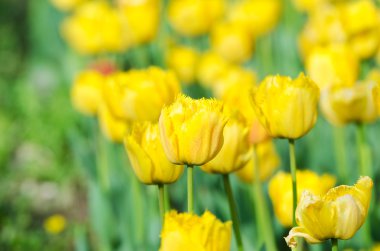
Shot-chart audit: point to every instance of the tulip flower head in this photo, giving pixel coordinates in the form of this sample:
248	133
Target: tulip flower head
192	130
338	214
189	232
286	108
147	156
112	127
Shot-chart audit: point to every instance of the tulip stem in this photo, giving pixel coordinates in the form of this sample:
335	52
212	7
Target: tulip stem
167	198
161	201
264	220
334	243
233	210
362	150
293	170
190	207
340	154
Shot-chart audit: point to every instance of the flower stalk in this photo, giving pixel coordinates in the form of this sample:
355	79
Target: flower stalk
293	171
334	243
190	200
161	201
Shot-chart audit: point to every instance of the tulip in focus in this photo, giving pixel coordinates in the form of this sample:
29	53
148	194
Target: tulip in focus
189	232
147	156
338	214
194	17
192	130
268	161
183	61
139	95
112	127
286	108
232	41
236	149
86	93
280	191
359	103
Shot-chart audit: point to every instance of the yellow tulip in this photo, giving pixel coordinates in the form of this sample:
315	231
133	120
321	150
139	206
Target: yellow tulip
338	214
268	161
286	108
192	130
232	41
132	11
139	95
260	17
86	93
55	224
147	156
334	65
281	193
194	17
66	5
183	61
359	103
211	66
236	149
113	128
95	27
189	232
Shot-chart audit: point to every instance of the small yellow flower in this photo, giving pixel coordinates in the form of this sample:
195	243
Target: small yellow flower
260	17
192	130
66	5
194	17
268	161
359	103
86	93
189	232
286	108
95	27
112	127
139	95
183	61
55	224
147	156
333	65
236	149
132	11
211	66
338	214
281	193
232	41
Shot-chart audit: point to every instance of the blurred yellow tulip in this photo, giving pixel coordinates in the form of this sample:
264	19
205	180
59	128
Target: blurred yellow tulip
359	103
66	5
334	65
286	108
338	214
86	92
258	16
192	130
235	151
183	61
281	193
132	12
113	128
147	156
189	232
211	66
95	27
232	41
194	17
308	5
268	161
139	95
55	224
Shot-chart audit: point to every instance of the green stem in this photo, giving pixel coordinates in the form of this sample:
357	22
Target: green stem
233	210
334	243
264	220
340	154
190	207
167	198
102	163
161	201
364	168
293	170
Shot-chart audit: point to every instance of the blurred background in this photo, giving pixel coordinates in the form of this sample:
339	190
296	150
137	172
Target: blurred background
53	194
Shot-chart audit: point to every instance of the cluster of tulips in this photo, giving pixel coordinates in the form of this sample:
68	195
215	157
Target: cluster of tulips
165	131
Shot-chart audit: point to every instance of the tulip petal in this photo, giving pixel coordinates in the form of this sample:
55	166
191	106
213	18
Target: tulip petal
300	232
